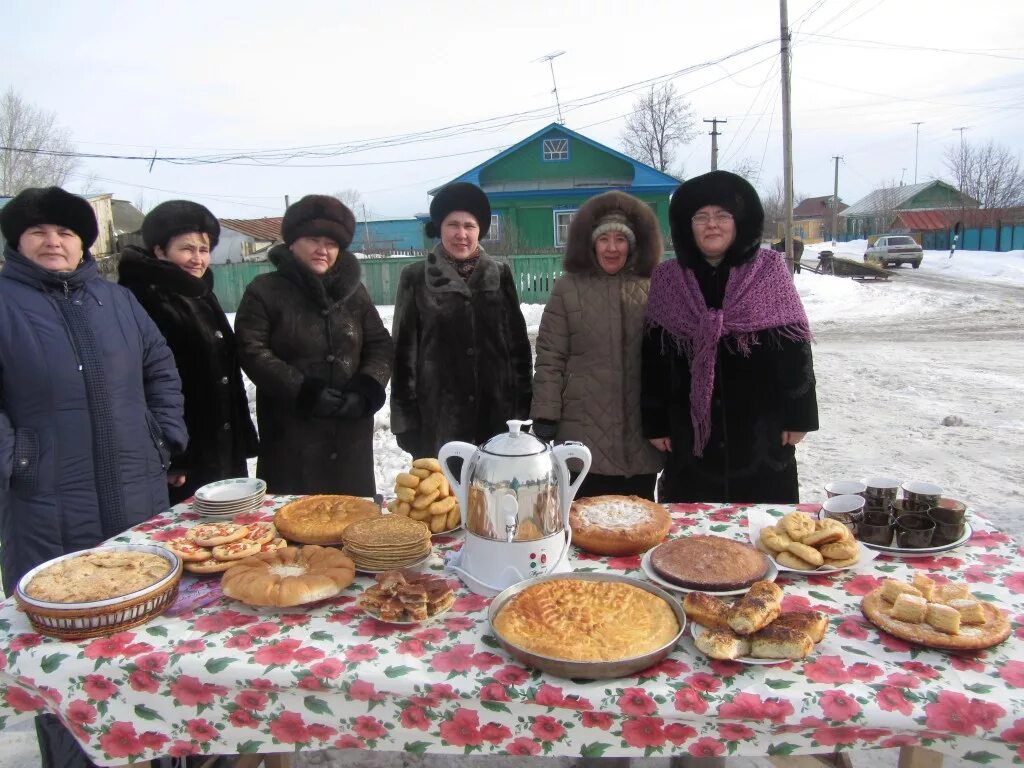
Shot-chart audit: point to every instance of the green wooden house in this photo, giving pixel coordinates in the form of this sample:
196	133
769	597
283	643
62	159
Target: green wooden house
873	214
537	185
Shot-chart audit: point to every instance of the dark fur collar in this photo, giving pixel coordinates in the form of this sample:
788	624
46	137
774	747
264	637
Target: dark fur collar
579	250
441	276
138	267
336	284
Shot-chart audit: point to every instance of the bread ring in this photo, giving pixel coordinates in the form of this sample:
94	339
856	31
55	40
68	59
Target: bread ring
775	538
798	525
804	552
789	560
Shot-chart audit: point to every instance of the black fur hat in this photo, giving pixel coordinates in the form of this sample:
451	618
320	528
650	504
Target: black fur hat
319	216
459	196
48	205
731	192
178	217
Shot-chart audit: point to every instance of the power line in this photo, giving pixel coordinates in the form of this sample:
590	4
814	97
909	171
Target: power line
905	47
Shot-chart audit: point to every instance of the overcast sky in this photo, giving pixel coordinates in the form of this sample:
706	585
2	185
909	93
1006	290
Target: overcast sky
194	79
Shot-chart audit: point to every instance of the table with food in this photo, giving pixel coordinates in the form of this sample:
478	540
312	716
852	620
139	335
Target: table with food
484	612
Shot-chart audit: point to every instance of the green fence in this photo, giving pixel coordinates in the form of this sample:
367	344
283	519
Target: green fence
535	275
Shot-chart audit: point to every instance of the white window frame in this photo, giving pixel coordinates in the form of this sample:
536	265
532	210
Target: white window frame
555	150
555	214
494	232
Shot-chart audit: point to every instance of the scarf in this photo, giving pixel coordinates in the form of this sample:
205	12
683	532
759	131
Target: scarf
464	267
759	295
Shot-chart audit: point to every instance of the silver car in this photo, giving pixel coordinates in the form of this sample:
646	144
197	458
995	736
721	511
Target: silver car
895	249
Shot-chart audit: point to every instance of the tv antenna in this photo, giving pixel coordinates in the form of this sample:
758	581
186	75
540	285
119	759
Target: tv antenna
550	58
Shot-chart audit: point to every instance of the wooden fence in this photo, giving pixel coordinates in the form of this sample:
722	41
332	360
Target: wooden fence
535	275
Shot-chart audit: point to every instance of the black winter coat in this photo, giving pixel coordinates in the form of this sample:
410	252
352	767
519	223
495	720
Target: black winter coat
297	335
186	310
463	362
90	413
755	398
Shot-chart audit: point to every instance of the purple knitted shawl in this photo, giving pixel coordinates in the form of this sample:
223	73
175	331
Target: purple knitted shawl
759	295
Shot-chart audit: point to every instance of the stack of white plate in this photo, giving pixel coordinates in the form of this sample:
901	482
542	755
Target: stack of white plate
225	498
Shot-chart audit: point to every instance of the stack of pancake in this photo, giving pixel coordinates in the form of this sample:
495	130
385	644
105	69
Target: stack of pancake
406	596
386	543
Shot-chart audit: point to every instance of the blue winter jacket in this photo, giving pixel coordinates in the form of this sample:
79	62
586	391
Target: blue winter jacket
90	413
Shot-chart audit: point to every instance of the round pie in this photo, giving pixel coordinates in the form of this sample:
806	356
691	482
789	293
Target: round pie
581	620
617	525
236	550
212	534
322	519
709	563
213	565
260	532
289	576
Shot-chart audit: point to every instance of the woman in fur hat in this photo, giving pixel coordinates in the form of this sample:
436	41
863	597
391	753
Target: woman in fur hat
728	378
463	362
587	383
172	279
314	345
90	403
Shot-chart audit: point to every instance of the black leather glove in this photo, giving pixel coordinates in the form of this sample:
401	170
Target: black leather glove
410	442
545	429
353	405
328	402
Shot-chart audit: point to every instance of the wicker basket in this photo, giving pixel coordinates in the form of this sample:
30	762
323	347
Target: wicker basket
78	621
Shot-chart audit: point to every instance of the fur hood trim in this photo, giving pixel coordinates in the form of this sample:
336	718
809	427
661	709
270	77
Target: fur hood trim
579	250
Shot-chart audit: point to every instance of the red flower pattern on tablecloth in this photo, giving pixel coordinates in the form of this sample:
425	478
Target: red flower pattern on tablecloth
223	674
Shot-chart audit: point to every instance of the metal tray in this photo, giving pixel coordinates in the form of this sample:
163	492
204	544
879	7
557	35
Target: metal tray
587	670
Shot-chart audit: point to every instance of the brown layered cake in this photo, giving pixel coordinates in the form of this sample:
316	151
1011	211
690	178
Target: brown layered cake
709	563
407	596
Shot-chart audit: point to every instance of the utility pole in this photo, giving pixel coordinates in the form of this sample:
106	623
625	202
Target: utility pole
714	140
550	58
962	168
787	131
835	201
286	202
366	228
917	140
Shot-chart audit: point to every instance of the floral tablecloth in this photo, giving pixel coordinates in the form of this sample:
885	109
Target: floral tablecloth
228	678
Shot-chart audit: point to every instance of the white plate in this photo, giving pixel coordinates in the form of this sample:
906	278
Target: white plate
923	551
231	490
696	630
411	622
650	573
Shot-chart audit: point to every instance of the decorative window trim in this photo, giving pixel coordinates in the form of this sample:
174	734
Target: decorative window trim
494	232
555	213
554	150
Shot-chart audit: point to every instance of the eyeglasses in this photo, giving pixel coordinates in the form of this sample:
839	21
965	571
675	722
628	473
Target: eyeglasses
703	219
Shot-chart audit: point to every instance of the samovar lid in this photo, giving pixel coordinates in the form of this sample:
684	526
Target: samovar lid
515	442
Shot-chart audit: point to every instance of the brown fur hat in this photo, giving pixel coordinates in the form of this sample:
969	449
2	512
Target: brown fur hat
579	249
319	216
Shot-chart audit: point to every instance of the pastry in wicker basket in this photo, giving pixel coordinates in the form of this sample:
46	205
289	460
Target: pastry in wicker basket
289	576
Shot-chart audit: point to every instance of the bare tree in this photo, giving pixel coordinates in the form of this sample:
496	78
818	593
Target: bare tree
773	200
887	199
661	121
747	167
991	173
353	200
34	149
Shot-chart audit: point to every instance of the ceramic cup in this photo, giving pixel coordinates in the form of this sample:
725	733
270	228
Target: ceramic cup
875	528
945	532
914	531
880	490
949	511
920	496
844	487
846	508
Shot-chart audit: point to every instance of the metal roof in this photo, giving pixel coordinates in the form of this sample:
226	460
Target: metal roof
267	228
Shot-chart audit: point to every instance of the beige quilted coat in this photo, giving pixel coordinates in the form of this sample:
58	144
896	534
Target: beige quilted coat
587	375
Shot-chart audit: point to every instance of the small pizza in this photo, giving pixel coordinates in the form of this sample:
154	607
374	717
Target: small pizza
261	532
213	565
188	551
273	544
236	550
212	534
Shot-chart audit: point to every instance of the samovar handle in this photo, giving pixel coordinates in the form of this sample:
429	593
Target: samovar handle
570	450
465	451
